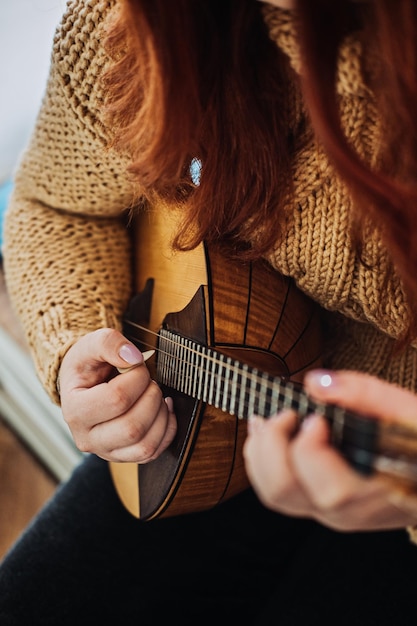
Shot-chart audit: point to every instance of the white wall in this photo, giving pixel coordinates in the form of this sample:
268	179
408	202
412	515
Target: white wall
26	32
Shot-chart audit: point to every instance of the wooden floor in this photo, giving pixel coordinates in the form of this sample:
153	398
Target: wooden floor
25	485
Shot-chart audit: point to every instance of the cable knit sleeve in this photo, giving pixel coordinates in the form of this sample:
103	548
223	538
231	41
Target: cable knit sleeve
67	248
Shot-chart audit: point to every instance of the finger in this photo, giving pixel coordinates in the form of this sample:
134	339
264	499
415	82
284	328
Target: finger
284	424
113	398
363	393
147	414
108	400
152	445
267	465
98	351
404	501
342	499
327	479
145	355
267	441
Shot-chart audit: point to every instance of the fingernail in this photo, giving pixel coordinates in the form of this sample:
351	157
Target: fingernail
129	353
321	378
309	422
255	424
170	404
277	417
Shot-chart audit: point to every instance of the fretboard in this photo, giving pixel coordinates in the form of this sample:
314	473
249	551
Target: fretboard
236	388
225	383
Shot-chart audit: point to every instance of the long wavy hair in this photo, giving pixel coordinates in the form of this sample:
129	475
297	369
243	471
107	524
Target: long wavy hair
389	194
200	79
187	86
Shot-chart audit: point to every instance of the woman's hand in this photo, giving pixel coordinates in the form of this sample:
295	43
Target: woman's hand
118	417
297	472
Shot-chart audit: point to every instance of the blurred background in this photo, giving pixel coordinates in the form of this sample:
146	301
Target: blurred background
36	449
26	34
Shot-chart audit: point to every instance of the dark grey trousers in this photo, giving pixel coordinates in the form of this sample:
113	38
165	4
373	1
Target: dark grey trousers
85	560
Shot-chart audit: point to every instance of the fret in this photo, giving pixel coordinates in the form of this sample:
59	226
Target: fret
190	368
187	361
174	374
268	398
166	357
199	393
233	389
220	383
302	404
166	362
175	369
236	388
210	376
162	358
183	374
230	385
243	391
252	393
213	364
234	409
172	366
203	376
262	396
277	399
195	361
183	363
256	389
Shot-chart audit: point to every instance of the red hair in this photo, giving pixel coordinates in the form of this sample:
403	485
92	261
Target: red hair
389	36
176	92
201	78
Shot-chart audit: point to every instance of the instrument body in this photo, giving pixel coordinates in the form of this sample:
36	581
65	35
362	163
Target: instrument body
232	339
246	312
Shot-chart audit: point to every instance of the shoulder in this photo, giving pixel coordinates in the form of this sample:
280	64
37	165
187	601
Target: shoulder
79	56
82	27
283	29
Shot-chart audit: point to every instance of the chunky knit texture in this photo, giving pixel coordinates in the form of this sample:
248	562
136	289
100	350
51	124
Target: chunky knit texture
68	251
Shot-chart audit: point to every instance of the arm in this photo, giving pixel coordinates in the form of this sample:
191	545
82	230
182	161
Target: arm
67	249
68	256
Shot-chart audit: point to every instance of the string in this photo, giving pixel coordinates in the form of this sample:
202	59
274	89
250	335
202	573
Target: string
361	439
232	367
294	393
361	452
208	357
252	376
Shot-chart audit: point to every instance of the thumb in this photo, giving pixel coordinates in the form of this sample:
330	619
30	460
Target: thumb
110	346
131	355
95	352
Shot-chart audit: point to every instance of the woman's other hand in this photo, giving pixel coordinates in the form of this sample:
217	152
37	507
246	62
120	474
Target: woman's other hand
297	472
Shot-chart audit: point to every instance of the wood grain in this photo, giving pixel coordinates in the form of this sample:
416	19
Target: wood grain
25	484
248	312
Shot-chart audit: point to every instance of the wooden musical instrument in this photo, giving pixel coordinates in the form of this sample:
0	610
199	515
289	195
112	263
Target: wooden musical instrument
230	339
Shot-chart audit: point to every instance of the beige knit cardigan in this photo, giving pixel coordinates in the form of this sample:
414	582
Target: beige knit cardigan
68	252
